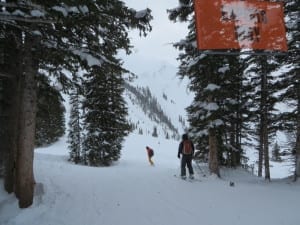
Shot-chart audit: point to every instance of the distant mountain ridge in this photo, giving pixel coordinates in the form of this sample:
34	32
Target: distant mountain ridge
156	106
143	98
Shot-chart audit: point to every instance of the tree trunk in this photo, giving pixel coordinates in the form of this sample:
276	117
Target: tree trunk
266	148
24	166
235	137
12	135
297	166
238	137
11	68
261	148
3	123
233	156
213	153
264	119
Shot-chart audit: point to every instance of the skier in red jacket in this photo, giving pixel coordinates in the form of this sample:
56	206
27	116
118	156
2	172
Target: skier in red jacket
150	154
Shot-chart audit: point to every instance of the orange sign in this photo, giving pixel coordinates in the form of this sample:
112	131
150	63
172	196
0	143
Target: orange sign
234	24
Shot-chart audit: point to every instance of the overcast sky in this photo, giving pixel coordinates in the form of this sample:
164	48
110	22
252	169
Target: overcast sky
157	45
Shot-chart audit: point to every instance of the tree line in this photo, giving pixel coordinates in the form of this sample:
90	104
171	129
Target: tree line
73	44
241	101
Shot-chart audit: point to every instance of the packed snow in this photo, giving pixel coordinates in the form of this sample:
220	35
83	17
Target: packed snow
133	192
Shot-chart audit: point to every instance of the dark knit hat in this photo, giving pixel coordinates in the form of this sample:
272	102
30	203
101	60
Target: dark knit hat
184	137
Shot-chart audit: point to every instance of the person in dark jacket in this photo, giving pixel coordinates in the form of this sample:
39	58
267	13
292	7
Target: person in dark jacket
186	151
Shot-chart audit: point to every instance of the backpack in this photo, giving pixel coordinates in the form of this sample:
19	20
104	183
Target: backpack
187	147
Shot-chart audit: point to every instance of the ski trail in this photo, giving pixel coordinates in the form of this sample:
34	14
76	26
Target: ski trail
133	192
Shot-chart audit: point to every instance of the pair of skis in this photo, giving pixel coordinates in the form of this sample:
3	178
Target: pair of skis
194	179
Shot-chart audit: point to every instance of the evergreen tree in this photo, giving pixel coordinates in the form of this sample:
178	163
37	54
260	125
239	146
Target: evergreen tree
213	79
227	102
140	131
167	135
265	117
50	117
290	81
75	129
154	134
105	116
276	153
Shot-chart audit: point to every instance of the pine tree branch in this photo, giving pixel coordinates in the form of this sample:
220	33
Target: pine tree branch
5	75
24	6
10	18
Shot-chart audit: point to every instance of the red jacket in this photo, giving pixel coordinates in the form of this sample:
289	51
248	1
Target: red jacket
150	151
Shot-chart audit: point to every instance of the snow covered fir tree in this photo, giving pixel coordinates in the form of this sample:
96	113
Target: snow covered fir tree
104	117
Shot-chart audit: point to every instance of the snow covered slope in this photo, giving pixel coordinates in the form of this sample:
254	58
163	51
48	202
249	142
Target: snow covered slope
133	192
171	94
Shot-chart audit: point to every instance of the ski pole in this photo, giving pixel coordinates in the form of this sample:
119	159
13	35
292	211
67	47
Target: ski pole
198	166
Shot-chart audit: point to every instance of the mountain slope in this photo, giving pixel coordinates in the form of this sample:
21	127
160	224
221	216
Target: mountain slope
160	87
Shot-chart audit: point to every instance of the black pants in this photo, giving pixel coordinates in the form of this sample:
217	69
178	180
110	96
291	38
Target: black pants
186	160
